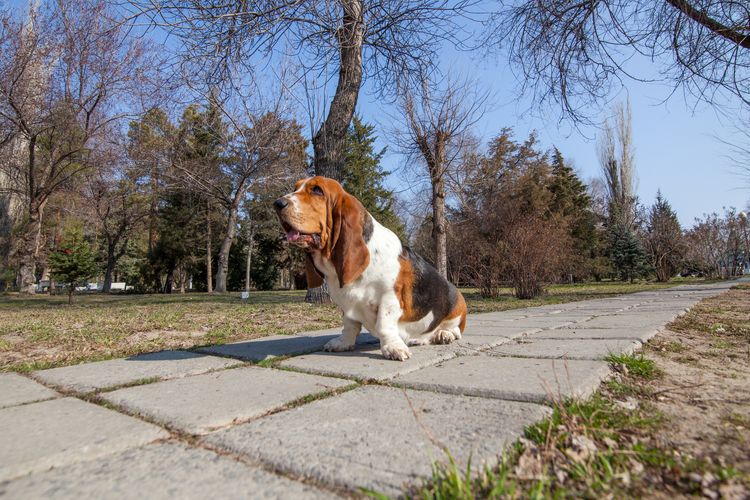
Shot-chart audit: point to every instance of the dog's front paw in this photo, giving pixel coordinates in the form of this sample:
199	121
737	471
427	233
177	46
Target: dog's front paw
396	351
339	344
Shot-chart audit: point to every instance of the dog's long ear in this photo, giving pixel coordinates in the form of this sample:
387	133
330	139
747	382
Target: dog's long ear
314	279
350	255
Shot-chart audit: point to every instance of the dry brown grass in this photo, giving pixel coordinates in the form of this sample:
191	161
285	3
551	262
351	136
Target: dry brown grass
43	331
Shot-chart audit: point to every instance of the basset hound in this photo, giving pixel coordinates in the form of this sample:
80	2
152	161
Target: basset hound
376	281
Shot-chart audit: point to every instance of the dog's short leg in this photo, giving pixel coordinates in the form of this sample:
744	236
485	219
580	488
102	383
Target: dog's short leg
447	332
347	339
386	329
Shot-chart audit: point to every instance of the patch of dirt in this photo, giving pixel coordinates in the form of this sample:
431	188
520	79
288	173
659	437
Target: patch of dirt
705	388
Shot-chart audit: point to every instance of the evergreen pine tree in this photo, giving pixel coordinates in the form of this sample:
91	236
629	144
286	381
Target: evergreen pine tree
73	262
626	253
363	177
664	239
571	200
570	197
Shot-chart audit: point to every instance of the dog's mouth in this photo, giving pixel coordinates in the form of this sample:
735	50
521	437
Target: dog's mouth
300	239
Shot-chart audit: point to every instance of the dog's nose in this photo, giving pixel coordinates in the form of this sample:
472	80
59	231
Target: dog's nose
280	204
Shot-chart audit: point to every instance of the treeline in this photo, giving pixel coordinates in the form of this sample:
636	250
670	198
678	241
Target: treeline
524	218
188	205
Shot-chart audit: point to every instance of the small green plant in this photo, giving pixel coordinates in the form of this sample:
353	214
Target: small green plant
636	365
73	262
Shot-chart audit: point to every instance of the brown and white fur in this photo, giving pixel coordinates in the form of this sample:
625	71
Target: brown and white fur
376	281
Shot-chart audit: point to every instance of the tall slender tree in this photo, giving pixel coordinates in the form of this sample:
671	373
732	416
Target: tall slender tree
617	162
387	41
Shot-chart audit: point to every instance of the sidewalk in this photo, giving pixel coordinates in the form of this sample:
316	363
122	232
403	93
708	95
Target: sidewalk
227	422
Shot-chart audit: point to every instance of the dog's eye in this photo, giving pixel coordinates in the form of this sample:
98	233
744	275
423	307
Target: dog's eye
316	190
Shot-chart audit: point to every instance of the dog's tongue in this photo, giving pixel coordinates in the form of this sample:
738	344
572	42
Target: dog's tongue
292	235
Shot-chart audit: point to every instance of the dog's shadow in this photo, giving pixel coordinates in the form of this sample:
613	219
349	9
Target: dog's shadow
264	348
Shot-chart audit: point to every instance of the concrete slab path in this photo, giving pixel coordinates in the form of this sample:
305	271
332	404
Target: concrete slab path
277	418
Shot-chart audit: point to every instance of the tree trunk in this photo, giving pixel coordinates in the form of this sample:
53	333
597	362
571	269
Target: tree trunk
209	271
109	269
226	246
169	281
153	213
28	249
439	236
183	276
249	262
330	139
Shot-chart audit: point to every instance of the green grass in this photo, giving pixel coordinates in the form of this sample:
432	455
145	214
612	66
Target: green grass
636	365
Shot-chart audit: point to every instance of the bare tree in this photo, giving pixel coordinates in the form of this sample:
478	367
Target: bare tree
64	73
617	162
570	52
386	41
437	133
715	246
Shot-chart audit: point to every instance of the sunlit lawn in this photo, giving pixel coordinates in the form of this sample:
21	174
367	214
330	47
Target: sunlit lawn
43	331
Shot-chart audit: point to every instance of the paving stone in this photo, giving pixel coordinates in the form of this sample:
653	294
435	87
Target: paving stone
640	332
500	315
371	437
534	347
599	309
501	330
517	379
548	321
367	362
17	390
280	345
53	433
472	341
590	333
318	333
658	308
206	402
633	322
158	471
90	377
